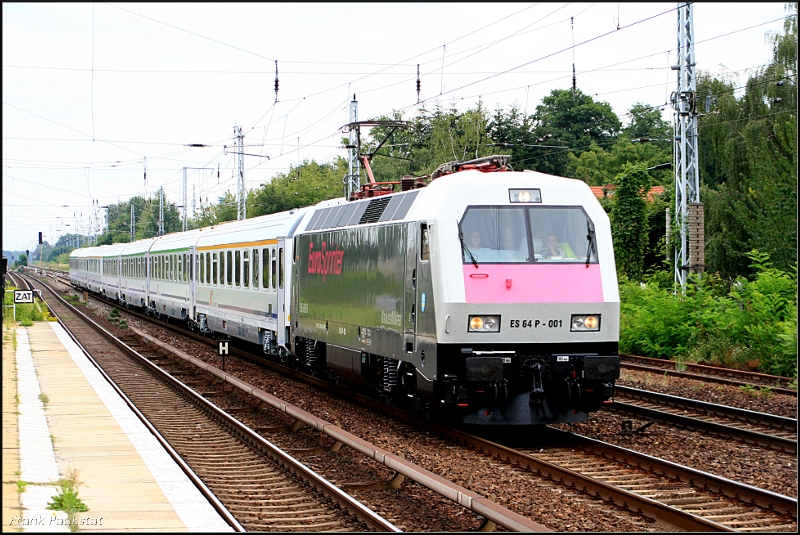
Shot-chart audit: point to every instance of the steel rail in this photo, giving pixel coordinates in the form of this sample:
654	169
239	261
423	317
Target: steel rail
665	400
466	498
372	519
711	374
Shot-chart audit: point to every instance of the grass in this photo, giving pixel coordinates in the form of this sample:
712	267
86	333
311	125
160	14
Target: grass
67	499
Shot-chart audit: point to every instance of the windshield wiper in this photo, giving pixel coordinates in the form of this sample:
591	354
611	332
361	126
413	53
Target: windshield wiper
465	248
590	236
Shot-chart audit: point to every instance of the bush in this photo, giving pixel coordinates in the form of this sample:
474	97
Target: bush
739	323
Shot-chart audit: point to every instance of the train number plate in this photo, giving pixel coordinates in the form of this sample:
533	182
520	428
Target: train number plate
535	324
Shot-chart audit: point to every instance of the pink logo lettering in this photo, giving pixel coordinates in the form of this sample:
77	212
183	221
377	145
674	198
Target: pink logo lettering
324	262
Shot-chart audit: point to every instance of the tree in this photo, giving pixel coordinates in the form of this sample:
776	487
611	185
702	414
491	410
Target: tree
429	141
598	167
646	122
305	185
515	130
572	119
629	225
751	201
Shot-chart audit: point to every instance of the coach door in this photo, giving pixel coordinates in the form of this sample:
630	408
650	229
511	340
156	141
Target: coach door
410	288
281	290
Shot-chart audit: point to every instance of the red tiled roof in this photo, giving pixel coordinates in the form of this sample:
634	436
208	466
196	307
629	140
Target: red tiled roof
598	191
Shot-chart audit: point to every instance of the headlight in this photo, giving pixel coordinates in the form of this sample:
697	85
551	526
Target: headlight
525	195
585	322
484	324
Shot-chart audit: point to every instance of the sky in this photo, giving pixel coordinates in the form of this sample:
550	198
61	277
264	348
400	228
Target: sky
103	102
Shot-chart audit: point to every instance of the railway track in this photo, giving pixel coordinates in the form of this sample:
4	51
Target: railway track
688	499
768	430
255	486
713	374
678	496
207	454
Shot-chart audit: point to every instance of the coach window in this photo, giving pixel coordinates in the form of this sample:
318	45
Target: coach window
280	267
273	270
425	246
229	268
265	268
256	259
214	268
237	269
202	268
246	268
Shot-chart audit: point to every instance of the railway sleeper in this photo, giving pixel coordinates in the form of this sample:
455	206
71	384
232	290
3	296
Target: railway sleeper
317	450
393	484
292	428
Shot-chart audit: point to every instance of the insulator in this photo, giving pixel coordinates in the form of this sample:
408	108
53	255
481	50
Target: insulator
276	80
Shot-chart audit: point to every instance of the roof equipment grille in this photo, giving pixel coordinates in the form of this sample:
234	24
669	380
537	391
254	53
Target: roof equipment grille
374	210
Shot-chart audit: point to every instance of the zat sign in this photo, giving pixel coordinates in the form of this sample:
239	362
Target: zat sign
23	296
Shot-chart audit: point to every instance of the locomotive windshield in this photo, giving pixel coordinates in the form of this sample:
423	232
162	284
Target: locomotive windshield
503	235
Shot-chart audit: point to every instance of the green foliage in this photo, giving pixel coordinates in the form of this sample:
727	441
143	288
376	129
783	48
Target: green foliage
27	313
748	157
67	499
646	122
598	167
305	185
737	323
629	221
431	139
146	216
573	119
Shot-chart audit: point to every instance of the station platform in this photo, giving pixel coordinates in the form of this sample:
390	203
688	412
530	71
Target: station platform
61	417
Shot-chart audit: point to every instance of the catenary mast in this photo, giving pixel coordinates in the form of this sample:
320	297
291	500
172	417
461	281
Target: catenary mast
689	251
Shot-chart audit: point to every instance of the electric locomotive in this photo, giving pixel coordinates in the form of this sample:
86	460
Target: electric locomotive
450	297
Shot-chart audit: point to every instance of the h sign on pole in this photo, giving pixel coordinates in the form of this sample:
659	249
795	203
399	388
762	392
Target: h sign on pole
223	350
